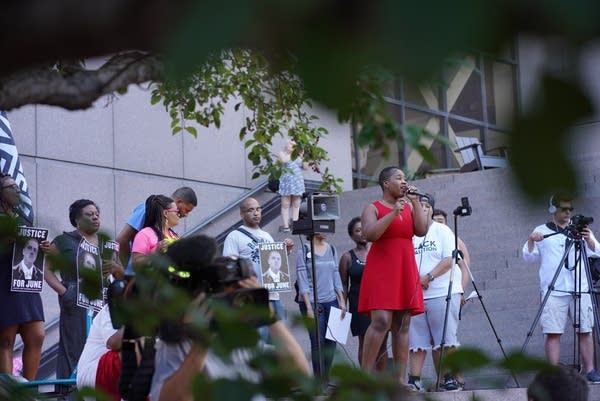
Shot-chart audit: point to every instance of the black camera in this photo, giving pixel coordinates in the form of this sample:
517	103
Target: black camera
226	301
235	269
464	209
578	223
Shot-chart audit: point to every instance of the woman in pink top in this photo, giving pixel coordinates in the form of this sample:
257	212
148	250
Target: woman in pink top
160	217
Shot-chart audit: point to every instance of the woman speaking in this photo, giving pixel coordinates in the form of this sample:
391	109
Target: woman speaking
390	290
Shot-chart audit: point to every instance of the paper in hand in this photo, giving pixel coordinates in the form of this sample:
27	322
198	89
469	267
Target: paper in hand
338	328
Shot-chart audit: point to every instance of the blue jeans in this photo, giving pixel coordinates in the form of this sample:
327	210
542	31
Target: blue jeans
321	313
263	331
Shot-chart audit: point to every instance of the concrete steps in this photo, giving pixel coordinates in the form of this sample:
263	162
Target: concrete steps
495	233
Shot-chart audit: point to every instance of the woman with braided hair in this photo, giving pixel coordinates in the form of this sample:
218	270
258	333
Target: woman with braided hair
161	216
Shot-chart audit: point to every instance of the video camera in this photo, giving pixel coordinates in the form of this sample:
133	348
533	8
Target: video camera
188	265
225	300
577	224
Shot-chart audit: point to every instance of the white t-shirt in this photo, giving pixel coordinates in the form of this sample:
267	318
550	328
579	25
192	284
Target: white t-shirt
436	245
549	252
240	245
95	346
169	357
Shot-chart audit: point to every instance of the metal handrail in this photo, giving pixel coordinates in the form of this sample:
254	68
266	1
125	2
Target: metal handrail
208	221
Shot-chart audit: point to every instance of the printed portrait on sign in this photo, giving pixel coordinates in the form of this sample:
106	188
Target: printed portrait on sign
89	276
28	260
274	266
110	253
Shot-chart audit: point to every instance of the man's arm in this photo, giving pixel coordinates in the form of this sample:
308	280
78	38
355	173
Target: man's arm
125	238
114	342
531	252
590	240
229	246
178	387
288	349
442	267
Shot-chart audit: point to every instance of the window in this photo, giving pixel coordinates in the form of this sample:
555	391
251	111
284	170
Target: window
476	96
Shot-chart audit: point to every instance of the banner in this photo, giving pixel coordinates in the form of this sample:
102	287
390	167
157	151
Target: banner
10	164
274	266
89	276
28	260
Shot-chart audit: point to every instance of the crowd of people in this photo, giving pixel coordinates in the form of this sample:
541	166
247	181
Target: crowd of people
401	242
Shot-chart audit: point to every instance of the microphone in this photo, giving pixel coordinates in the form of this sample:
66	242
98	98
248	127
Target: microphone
418	194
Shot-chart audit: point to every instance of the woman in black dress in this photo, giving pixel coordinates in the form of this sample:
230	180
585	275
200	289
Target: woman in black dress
22	312
84	215
351	267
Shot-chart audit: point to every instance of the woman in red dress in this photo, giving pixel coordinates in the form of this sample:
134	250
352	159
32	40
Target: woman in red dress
390	290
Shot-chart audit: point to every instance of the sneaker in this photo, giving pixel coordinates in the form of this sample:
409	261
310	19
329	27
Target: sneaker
450	383
415	385
593	376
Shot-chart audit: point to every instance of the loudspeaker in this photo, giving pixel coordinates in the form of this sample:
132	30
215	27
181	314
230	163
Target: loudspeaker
307	226
551	207
324	207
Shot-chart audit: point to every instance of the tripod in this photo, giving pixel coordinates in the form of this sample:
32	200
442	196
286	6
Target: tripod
573	239
464	210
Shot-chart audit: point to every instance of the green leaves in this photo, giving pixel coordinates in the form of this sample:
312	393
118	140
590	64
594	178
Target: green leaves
274	102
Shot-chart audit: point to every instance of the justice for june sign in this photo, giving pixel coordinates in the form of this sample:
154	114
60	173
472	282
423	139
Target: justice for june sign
89	276
274	266
28	260
110	252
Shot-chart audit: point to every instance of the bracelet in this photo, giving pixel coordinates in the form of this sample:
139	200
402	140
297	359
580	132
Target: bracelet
430	277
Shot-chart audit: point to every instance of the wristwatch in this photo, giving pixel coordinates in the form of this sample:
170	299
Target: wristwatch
430	277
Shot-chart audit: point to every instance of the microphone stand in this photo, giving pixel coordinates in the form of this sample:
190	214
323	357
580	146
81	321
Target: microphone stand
315	302
465	210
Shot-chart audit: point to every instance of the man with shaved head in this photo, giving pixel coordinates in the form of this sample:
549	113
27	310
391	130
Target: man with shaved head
243	243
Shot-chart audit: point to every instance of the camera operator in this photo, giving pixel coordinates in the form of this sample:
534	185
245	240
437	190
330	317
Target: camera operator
178	361
548	249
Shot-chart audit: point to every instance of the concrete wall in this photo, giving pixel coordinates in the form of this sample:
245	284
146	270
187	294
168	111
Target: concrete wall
121	150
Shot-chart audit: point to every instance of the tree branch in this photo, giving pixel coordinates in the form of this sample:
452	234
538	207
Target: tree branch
79	90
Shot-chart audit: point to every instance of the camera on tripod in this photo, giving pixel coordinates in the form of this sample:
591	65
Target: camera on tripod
578	223
464	209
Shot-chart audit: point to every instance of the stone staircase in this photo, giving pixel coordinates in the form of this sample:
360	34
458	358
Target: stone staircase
495	234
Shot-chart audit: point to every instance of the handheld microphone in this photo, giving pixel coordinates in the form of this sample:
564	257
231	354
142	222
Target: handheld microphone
418	194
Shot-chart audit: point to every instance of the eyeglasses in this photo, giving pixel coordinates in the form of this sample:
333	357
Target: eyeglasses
13	186
174	210
566	209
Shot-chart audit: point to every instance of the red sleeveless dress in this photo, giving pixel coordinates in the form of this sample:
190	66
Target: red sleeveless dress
390	280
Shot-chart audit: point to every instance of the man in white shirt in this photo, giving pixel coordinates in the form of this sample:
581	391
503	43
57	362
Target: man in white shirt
433	254
243	243
546	245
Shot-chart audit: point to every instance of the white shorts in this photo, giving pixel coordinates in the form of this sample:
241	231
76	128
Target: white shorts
426	329
558	308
